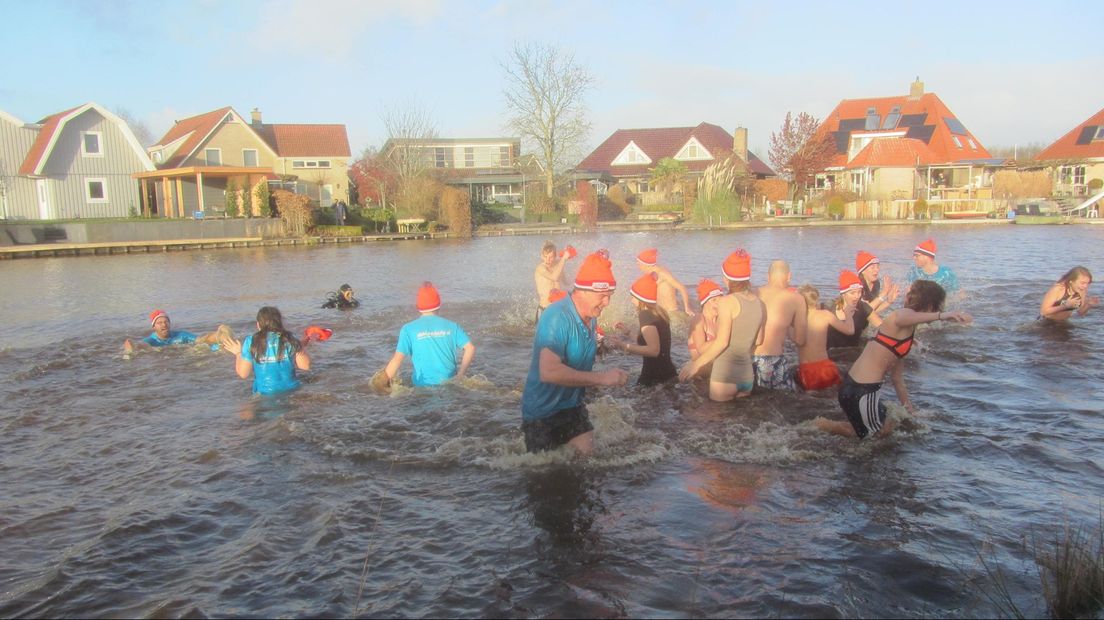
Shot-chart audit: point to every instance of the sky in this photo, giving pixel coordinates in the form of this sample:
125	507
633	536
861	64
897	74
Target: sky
1012	72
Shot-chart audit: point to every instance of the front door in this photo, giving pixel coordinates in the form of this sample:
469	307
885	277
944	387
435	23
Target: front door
43	199
326	199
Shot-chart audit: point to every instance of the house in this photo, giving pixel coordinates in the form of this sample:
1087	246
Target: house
201	156
628	156
489	169
904	147
73	164
1077	157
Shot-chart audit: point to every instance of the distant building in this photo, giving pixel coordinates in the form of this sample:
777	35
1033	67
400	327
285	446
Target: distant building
1077	157
73	164
628	156
905	147
200	156
490	169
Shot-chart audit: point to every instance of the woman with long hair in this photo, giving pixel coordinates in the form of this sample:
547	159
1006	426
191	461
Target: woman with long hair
653	340
859	396
271	355
1069	295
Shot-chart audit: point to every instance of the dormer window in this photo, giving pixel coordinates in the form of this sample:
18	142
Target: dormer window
693	150
631	155
91	144
957	142
1099	133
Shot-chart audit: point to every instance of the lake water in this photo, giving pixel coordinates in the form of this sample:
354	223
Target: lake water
157	486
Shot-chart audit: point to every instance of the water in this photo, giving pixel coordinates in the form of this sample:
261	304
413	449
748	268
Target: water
157	486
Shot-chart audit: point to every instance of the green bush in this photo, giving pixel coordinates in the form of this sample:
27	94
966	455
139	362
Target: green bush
836	206
338	231
373	219
1095	184
920	207
725	207
494	214
233	200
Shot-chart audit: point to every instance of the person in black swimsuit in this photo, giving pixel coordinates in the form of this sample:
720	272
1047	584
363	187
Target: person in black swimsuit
342	300
1069	295
653	342
859	395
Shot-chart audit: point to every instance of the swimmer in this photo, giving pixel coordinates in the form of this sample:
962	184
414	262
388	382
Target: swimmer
704	328
668	285
869	268
653	340
549	272
815	371
859	396
927	269
343	299
785	317
163	335
431	343
1069	295
562	364
741	319
271	355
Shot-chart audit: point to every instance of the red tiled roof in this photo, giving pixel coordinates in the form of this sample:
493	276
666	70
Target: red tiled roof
198	126
894	153
50	125
306	140
1067	146
941	143
658	143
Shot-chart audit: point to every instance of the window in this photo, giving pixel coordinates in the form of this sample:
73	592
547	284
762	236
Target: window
95	190
157	157
1099	133
299	164
213	156
438	157
323	163
973	144
469	157
642	187
90	144
504	156
957	142
857	182
249	157
1071	175
631	155
310	163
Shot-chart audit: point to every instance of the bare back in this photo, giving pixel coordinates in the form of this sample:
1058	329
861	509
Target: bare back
785	309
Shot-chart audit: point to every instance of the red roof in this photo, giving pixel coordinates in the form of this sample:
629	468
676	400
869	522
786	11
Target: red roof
658	143
924	119
306	140
50	125
1080	143
894	153
198	127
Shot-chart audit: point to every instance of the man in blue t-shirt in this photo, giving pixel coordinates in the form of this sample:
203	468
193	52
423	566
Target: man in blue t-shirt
431	343
164	336
561	367
927	269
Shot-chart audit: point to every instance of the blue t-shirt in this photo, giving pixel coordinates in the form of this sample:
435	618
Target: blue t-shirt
181	337
562	331
431	343
271	375
943	277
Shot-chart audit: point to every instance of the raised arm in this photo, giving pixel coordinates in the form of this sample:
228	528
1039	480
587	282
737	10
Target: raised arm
907	318
845	325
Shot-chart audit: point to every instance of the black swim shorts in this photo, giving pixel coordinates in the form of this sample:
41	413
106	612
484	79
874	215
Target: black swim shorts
551	432
863	406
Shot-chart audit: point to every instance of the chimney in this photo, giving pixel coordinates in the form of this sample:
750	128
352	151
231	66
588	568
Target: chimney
916	90
739	143
256	114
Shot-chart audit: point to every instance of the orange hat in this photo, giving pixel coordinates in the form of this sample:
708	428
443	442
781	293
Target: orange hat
926	247
648	257
849	281
555	295
646	289
429	299
156	314
864	260
596	274
708	289
737	267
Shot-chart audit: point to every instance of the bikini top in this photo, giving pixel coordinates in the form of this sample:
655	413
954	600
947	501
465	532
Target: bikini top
1066	297
899	347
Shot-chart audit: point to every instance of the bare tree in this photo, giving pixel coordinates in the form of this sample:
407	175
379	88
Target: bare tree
409	130
140	130
797	152
544	102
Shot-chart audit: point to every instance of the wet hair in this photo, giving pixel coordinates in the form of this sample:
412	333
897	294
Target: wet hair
269	321
925	296
1074	274
345	287
548	248
735	286
811	295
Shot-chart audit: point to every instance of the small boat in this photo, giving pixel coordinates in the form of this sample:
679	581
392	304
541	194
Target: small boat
965	215
1041	219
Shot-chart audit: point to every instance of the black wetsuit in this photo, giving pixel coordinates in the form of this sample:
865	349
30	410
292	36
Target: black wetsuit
336	300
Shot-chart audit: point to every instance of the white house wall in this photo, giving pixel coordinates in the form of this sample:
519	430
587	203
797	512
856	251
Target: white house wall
19	200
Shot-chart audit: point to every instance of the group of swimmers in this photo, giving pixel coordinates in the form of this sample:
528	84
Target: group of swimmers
736	339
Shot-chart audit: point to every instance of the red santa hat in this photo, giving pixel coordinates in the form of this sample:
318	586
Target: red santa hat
737	267
156	314
864	260
926	247
849	281
429	300
648	257
596	274
646	289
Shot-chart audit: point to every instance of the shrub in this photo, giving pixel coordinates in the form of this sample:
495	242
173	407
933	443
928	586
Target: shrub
537	203
920	207
375	218
233	199
261	204
455	207
619	195
836	206
296	210
1095	184
338	231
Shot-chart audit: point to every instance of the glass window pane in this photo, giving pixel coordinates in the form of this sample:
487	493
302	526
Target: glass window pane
249	157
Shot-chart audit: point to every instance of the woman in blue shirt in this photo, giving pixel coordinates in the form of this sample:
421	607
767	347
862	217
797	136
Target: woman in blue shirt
271	355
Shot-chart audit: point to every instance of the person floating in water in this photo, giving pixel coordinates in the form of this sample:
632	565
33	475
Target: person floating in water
343	299
562	364
668	285
549	272
431	342
163	335
704	328
815	371
1069	295
653	340
859	396
271	354
740	322
927	269
785	316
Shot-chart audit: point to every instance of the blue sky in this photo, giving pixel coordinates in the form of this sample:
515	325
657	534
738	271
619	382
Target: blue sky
1013	72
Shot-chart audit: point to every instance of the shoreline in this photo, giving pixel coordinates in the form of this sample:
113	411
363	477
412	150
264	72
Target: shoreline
47	250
